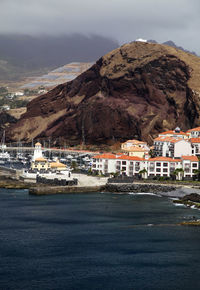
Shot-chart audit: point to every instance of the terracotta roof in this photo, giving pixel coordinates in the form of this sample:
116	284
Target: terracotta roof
194	129
195	140
173	132
105	156
57	164
161	158
191	158
126	157
38	144
41	159
121	157
135	149
168	139
135	142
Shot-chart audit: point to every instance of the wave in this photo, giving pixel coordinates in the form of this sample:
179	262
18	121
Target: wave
179	204
144	193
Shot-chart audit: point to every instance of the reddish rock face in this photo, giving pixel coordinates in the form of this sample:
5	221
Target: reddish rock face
135	91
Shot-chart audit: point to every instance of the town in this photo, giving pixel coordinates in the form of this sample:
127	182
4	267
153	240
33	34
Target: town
174	154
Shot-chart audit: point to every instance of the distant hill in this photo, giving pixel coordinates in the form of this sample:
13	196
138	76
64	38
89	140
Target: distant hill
172	44
21	54
134	91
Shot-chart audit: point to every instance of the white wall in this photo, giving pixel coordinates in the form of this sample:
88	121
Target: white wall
182	148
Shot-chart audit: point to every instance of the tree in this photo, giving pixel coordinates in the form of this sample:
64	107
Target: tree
179	172
197	174
143	172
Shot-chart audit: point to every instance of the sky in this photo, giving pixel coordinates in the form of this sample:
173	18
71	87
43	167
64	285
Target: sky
123	20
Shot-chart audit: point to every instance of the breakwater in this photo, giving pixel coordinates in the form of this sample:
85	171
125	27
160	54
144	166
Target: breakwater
139	187
45	190
154	188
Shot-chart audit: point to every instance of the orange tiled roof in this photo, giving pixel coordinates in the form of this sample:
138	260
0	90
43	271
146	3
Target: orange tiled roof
173	132
168	139
40	159
135	149
195	140
161	158
105	156
38	144
135	142
121	157
194	129
126	157
57	164
191	158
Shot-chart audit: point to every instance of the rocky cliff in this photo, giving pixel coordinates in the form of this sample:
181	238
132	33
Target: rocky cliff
135	91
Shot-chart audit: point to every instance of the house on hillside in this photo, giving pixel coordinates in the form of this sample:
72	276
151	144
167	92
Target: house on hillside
194	133
135	148
177	133
131	143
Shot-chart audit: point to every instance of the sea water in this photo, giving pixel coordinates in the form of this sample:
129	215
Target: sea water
96	241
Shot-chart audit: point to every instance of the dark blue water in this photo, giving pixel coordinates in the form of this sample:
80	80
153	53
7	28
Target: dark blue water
96	241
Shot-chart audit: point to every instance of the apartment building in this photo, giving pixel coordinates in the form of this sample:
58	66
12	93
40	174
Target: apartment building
195	143
171	147
132	166
111	163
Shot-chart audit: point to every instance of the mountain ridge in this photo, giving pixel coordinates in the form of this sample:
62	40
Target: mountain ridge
136	90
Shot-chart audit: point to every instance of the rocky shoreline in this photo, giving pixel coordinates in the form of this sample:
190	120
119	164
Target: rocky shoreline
139	187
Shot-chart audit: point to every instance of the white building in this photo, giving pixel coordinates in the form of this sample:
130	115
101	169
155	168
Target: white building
171	147
37	152
195	143
111	163
194	133
158	166
131	143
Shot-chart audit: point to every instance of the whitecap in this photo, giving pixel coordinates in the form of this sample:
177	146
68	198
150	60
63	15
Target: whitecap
144	193
179	204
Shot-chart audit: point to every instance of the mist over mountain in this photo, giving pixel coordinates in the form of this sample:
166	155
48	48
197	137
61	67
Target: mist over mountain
20	54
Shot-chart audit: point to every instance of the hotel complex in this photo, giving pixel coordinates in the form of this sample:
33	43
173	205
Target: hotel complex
174	153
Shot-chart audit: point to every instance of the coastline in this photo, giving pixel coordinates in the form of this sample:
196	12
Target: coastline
175	189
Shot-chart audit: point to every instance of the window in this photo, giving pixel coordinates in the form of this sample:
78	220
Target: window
123	162
165	170
194	164
158	164
158	170
131	163
123	168
165	164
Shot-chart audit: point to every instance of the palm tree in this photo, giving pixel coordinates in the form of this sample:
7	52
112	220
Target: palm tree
143	172
179	173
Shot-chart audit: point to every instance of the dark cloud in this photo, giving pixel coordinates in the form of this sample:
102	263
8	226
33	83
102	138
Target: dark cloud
123	20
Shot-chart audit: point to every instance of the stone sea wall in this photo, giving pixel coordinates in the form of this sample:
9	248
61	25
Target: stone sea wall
154	188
